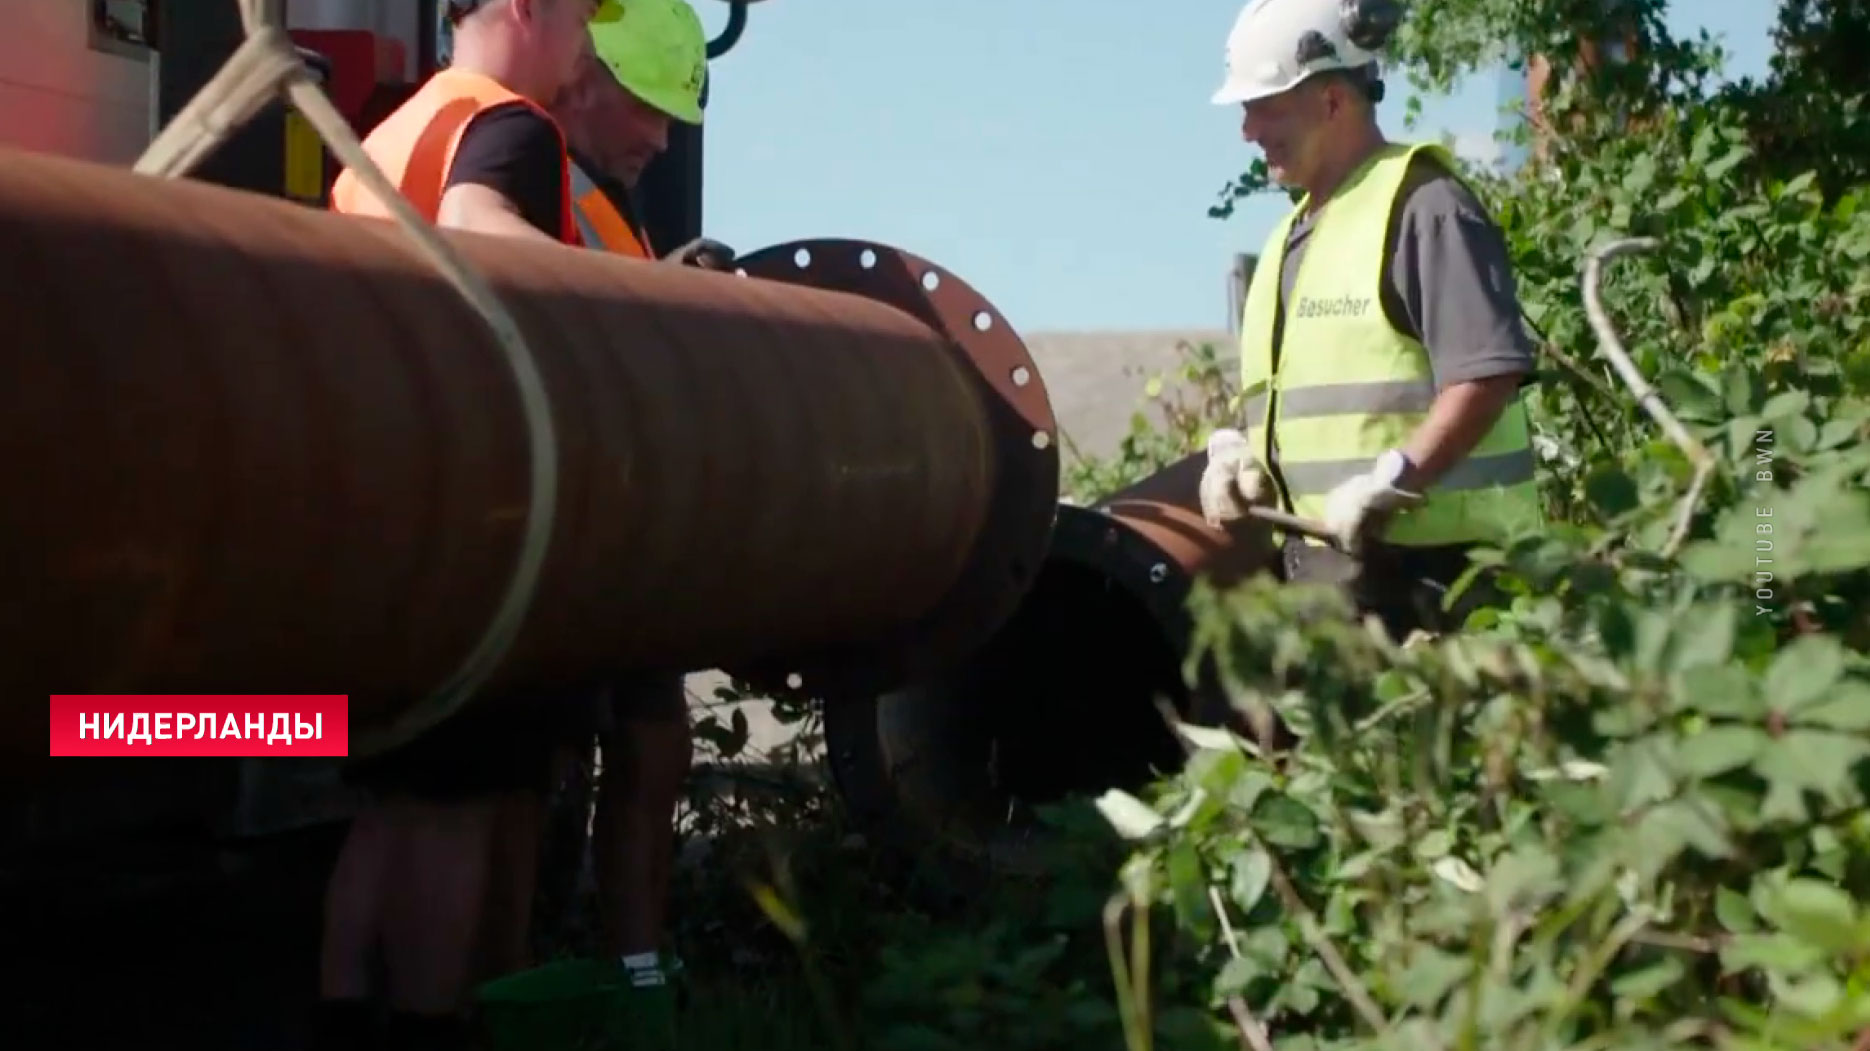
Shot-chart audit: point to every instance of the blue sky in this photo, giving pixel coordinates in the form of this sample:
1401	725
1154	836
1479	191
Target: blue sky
1059	155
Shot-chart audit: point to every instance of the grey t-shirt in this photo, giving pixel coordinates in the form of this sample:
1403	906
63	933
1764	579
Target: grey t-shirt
1449	283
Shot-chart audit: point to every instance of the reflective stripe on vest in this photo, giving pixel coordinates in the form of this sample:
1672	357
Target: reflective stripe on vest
415	146
1349	386
600	224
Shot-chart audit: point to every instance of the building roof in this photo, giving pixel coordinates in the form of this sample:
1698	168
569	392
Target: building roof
1095	379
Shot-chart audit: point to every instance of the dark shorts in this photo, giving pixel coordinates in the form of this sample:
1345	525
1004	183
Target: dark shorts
1404	586
497	746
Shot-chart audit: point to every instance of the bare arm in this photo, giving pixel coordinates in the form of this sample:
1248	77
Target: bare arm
471	206
1459	418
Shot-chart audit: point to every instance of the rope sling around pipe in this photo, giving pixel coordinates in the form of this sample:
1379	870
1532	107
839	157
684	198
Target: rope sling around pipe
267	65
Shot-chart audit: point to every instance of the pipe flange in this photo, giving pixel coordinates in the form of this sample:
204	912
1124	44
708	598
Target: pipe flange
1095	538
1014	538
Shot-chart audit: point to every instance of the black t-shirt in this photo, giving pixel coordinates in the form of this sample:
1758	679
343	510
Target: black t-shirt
515	152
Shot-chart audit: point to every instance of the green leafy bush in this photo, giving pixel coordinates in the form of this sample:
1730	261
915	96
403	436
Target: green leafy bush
1627	805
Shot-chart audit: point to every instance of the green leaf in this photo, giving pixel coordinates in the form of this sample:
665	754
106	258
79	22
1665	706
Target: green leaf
1668	828
1817	913
1841	544
1847	708
1722	690
1251	872
1692	397
1431	975
1188	885
1434	845
1770	952
1285	822
1806	760
1727	162
1835	433
1718	749
1799	433
1641	175
1743	390
1734	911
1268	948
1718	560
1525	876
1382	831
1651	981
1814	996
1785	404
1805	671
1641	774
1130	816
1655	630
1237	975
1617	629
1246	790
1612	491
1704	636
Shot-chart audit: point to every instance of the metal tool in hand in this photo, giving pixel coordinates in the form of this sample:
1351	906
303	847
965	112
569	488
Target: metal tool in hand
1293	524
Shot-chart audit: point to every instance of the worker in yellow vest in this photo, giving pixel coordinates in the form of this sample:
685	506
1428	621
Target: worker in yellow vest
1382	353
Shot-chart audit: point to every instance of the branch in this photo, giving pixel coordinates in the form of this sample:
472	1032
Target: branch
1646	395
1314	934
1252	1032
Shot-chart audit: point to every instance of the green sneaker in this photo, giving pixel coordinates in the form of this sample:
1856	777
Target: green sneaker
563	1005
643	1005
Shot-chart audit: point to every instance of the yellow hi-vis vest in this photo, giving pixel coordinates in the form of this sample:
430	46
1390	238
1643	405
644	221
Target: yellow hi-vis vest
1347	385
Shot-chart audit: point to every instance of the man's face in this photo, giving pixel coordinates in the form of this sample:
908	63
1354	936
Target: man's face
617	129
1291	128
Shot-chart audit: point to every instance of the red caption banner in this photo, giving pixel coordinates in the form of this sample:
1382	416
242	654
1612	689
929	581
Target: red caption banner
211	725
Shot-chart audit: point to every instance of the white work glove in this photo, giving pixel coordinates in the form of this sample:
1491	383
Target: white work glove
1359	506
1233	481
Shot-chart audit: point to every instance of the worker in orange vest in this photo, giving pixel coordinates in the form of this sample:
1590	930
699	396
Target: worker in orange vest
474	149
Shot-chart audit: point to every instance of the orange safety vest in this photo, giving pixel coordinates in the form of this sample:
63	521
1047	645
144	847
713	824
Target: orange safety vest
600	224
415	146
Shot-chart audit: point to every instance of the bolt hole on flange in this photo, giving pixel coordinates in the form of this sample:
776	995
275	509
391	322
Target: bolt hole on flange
930	280
795	681
1021	376
1041	440
802	258
982	321
867	259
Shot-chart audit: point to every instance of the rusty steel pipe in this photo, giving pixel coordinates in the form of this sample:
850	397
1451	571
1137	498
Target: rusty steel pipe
259	448
1064	699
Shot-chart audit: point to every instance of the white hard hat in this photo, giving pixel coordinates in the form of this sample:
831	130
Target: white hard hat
1275	44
